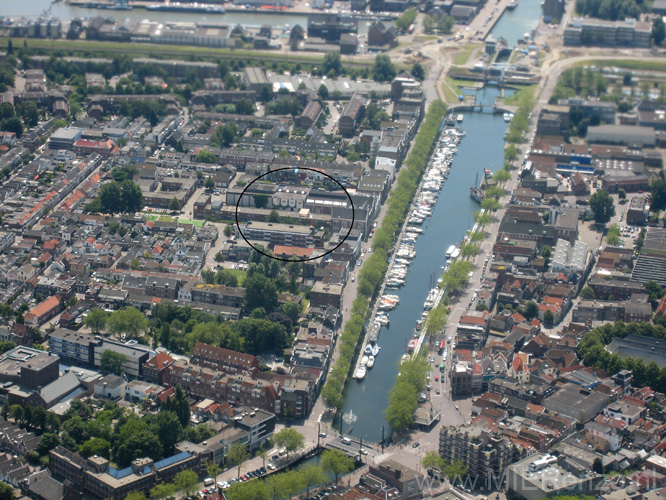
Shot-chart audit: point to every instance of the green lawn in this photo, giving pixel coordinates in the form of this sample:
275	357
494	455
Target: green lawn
196	223
463	55
656	65
451	90
240	275
515	98
183	51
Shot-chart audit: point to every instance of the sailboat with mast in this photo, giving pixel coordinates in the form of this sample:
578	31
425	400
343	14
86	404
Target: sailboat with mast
475	192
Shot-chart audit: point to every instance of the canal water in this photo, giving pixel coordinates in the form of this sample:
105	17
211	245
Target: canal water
65	12
515	23
481	148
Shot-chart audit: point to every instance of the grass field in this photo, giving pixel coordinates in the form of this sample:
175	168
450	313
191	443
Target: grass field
462	56
451	90
656	65
240	275
513	100
168	218
180	51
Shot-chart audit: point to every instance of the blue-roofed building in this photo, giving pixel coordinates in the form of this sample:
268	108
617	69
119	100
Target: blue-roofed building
95	476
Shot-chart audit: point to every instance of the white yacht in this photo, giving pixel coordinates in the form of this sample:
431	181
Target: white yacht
360	373
371	361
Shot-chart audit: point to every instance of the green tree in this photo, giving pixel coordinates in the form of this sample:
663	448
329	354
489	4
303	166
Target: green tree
383	69
587	293
531	310
260	291
162	490
332	63
289	439
455	471
274	216
209	183
621	194
6	491
96	446
112	362
213	469
602	206
228	231
418	72
658	195
174	204
613	235
502	176
336	462
186	481
546	252
110	199
658	30
96	319
511	153
323	92
48	441
403	401
598	466
206	157
237	454
548	317
432	461
168	430
130	321
406	19
28	111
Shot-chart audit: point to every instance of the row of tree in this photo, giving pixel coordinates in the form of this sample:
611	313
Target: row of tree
592	350
519	124
373	271
404	397
285	485
117	197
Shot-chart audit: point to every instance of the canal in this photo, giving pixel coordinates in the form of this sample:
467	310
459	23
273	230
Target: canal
515	23
66	12
481	148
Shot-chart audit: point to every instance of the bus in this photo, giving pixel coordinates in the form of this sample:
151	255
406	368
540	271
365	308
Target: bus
442	344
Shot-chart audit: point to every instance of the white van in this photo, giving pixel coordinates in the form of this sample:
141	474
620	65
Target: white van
209	481
346	440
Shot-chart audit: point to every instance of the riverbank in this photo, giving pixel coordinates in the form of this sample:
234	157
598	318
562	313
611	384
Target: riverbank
298	9
373	272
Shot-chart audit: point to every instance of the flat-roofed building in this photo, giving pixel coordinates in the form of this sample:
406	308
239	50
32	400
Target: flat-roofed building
569	257
74	347
627	135
541	476
283	234
255	78
577	402
135	355
29	367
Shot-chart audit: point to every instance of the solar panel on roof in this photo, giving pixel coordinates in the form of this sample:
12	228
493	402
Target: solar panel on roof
172	460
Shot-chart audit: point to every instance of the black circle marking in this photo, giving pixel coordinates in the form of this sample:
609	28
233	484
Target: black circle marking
351	226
